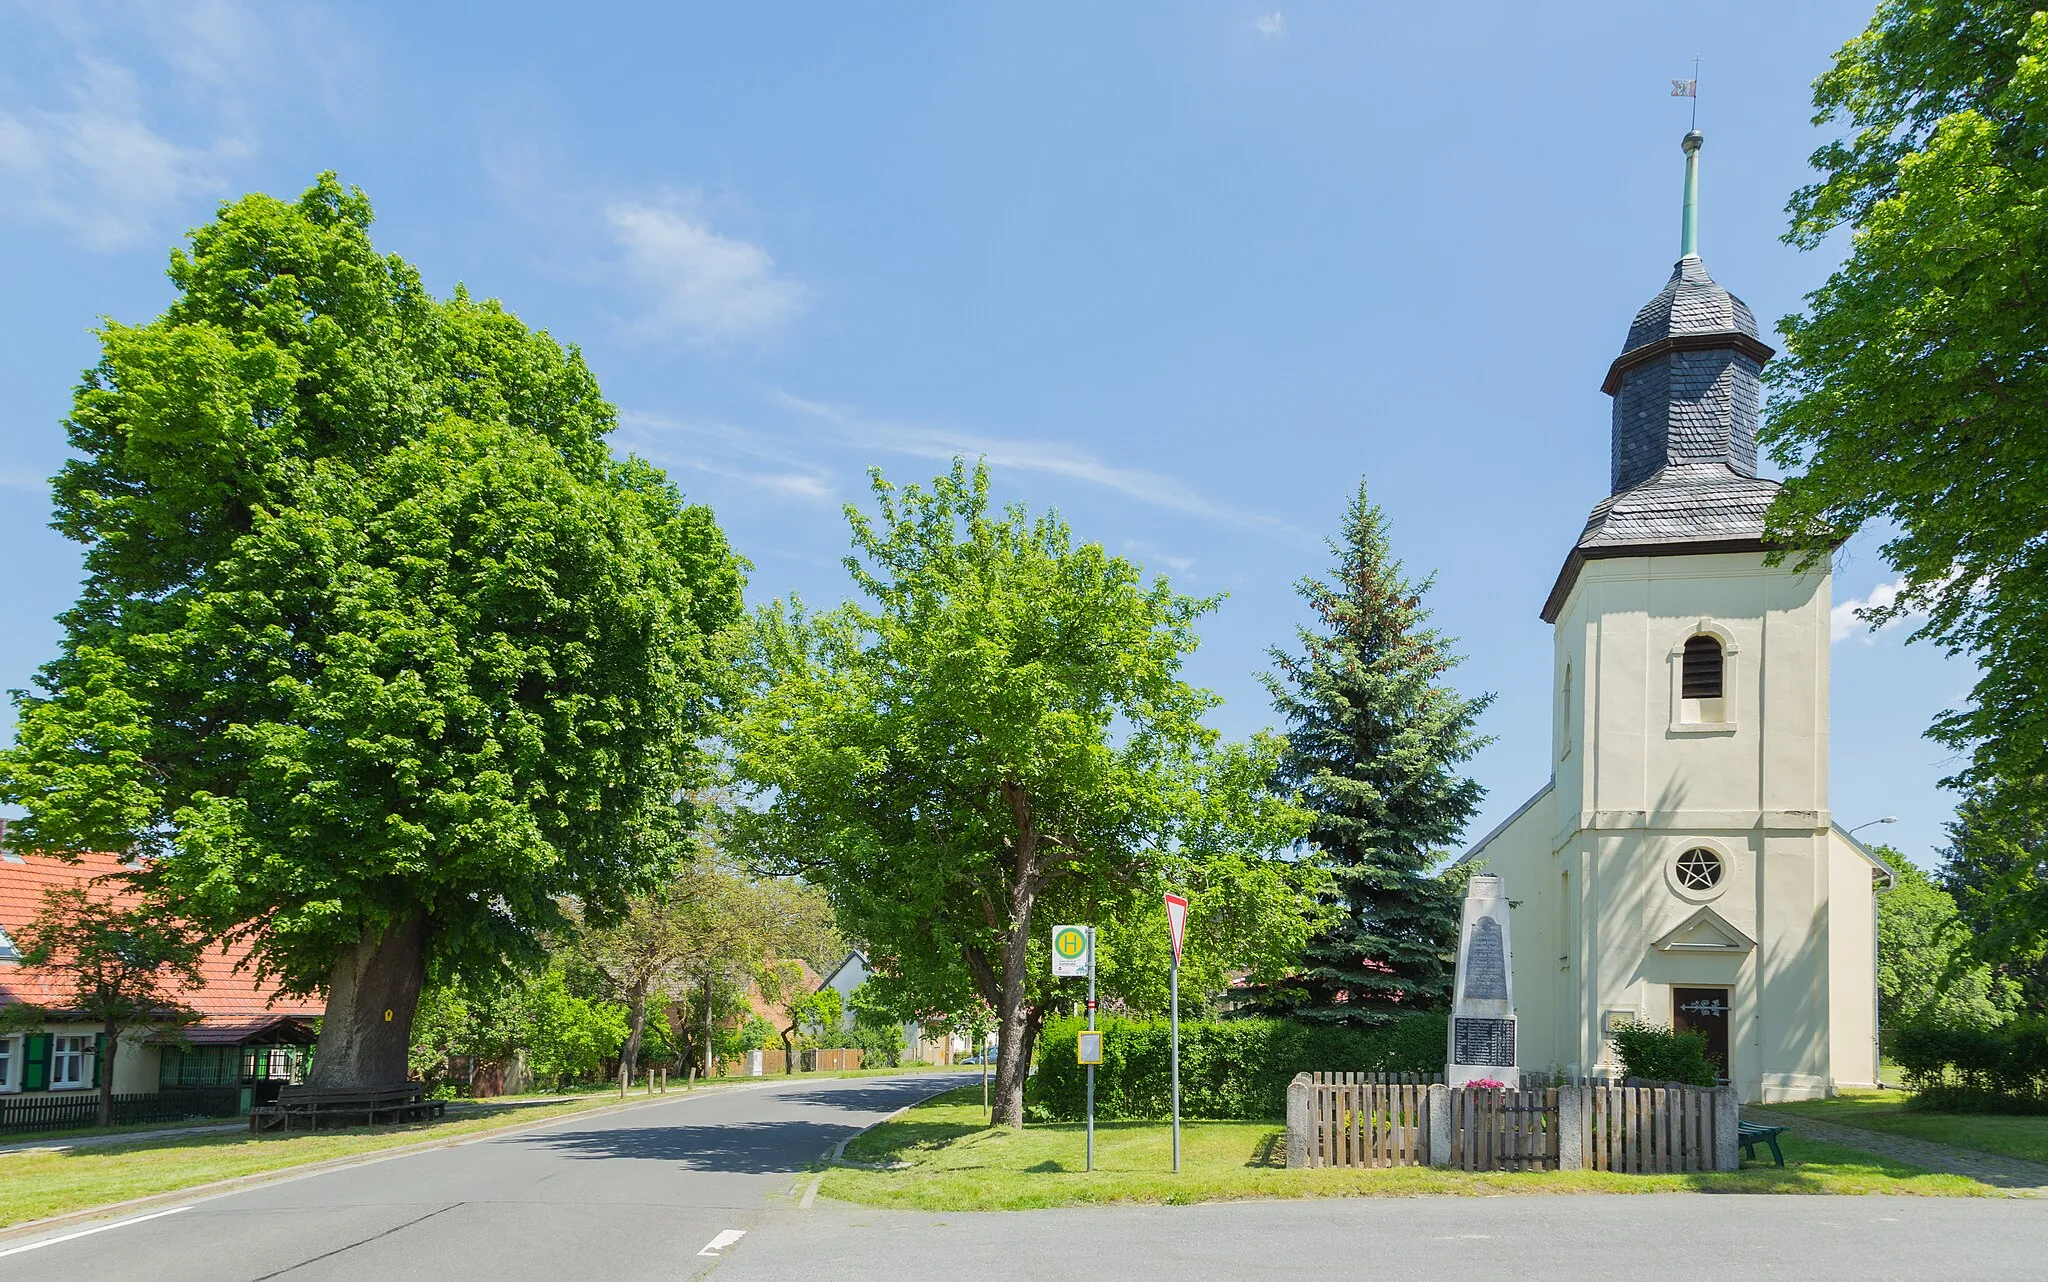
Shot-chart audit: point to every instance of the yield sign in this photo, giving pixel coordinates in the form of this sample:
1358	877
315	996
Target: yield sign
1176	923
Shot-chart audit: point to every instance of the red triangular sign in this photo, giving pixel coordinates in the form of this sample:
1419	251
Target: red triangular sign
1176	923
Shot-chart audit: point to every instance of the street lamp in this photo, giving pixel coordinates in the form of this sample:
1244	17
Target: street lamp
1888	819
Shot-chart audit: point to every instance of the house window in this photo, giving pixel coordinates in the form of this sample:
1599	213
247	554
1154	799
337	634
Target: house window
1700	869
8	952
1701	675
10	1054
69	1058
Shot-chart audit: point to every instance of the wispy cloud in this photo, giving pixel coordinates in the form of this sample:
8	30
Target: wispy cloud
121	120
95	166
1848	618
1053	458
731	453
1271	25
1149	555
700	287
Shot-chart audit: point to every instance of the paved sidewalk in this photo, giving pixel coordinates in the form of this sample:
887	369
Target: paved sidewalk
2024	1178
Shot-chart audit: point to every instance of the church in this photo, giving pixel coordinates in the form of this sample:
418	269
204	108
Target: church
1681	867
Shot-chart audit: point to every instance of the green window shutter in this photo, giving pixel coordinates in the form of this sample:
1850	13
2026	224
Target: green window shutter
99	1044
35	1062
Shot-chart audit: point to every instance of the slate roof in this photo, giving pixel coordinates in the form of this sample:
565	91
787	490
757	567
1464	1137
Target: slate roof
1682	503
228	995
1690	303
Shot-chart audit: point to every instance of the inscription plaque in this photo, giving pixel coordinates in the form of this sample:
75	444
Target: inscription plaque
1483	1041
1486	963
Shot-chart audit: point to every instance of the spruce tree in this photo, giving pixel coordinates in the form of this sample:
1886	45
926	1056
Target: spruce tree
1374	745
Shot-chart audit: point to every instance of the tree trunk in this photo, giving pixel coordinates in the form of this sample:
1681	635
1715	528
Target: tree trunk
367	1031
110	1045
677	1018
708	1038
1015	1016
629	1059
788	1055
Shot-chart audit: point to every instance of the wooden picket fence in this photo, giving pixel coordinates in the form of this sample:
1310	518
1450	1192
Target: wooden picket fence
1645	1129
26	1114
1370	1119
1496	1130
1380	1120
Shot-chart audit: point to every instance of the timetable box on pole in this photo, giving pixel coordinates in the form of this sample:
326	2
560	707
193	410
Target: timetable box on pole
1088	1048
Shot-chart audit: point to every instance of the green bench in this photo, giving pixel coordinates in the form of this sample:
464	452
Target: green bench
1752	1134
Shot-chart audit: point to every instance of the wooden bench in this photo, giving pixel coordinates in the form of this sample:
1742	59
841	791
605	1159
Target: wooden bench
305	1108
1751	1134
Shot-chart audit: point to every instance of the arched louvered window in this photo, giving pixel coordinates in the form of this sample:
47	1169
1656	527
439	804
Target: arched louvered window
1701	678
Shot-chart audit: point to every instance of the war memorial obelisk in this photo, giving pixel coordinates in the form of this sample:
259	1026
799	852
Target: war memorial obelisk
1483	1003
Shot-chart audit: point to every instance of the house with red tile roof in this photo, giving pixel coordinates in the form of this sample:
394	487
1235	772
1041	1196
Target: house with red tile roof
247	1035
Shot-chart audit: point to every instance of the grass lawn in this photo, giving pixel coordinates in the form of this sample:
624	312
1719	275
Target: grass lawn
958	1164
2012	1136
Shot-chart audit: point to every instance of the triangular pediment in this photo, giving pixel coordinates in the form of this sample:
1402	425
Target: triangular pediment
1706	931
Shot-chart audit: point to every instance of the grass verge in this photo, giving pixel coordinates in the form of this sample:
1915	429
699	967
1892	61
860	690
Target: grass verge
38	1185
2011	1136
956	1163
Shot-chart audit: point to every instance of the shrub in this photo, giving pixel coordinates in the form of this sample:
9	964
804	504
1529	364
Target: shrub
1664	1054
1961	1067
880	1044
1236	1068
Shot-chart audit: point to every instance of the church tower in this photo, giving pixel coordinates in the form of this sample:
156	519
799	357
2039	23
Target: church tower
1682	867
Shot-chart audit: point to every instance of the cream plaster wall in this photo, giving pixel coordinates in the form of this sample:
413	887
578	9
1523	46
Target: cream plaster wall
1640	777
1852	960
136	1066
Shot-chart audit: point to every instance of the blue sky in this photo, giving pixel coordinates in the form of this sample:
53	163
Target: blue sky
1183	270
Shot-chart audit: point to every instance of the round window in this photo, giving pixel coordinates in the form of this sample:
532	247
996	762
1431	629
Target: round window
1699	870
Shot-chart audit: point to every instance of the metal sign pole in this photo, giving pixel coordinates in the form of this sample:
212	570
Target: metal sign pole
1174	984
1091	1067
1176	930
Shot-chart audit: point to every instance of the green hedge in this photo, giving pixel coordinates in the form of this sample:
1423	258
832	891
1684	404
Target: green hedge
2003	1069
1235	1068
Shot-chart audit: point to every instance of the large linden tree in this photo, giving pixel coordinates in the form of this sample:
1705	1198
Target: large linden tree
380	652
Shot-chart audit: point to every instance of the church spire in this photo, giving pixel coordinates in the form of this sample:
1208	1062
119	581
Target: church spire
1689	226
1687	388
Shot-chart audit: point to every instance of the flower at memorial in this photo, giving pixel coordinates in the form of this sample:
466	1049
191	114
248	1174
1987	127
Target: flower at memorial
1488	1083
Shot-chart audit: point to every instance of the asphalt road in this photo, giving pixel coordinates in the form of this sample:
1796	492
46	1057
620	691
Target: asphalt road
647	1192
630	1195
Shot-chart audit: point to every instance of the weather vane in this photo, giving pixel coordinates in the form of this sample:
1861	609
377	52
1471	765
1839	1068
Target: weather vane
1690	89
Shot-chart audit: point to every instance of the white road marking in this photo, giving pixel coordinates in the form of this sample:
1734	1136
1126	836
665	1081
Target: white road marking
725	1238
70	1237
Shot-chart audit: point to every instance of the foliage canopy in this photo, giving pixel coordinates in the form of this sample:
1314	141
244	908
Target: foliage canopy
999	736
379	649
1912	391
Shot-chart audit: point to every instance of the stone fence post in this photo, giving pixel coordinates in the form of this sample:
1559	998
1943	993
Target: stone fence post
1571	1128
1727	1130
1438	1153
1301	1120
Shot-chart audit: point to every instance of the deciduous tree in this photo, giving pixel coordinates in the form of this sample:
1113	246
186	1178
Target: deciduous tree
379	649
121	962
996	738
1913	392
1925	973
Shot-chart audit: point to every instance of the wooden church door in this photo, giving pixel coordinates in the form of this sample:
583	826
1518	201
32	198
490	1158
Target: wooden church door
1704	1010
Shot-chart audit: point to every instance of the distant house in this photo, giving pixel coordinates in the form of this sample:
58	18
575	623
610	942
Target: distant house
247	1035
851	973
